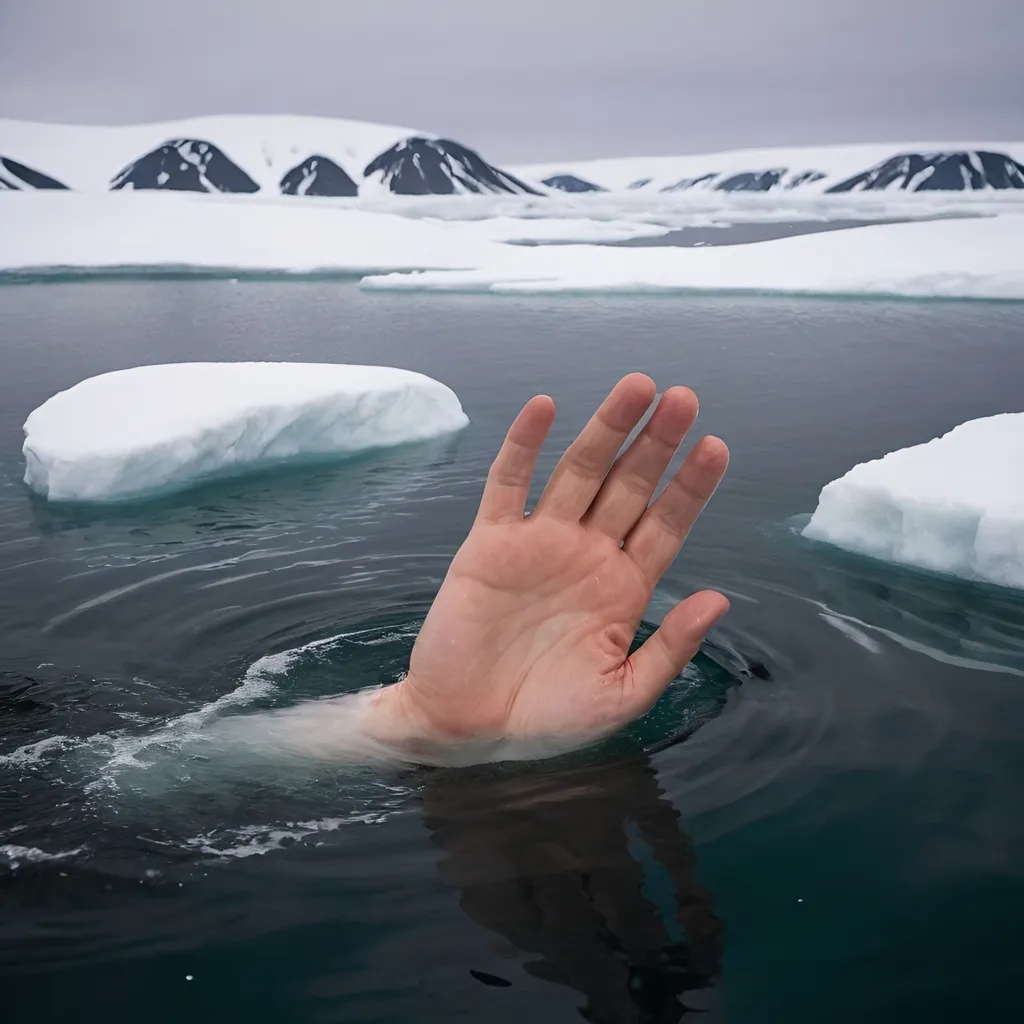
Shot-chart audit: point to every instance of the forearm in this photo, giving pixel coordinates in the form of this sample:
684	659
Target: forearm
372	726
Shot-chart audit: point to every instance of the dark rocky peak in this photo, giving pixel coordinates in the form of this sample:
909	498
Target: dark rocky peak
804	178
752	181
954	171
747	181
418	166
570	183
185	165
318	176
639	183
14	175
701	181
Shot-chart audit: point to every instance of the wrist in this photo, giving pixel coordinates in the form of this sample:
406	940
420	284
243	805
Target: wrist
395	719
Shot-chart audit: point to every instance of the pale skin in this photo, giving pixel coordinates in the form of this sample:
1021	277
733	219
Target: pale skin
528	637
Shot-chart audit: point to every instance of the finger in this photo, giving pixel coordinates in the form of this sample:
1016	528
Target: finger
666	653
624	495
508	480
656	539
582	469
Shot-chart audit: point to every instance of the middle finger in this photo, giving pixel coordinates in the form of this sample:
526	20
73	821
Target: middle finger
629	486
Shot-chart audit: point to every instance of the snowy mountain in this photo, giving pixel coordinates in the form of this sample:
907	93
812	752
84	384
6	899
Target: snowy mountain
570	183
300	156
270	156
815	170
764	180
419	166
803	178
15	176
318	176
185	165
947	171
752	181
683	185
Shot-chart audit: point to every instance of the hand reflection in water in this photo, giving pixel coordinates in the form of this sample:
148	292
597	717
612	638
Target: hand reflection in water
588	868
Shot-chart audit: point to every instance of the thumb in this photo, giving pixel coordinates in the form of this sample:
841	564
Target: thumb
666	653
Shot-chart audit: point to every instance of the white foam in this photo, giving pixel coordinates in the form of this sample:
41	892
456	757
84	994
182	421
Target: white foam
129	751
954	504
278	664
156	428
209	730
37	752
15	856
257	840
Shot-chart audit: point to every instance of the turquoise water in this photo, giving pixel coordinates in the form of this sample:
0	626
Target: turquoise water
821	822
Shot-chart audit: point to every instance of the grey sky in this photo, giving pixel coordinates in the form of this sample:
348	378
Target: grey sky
534	79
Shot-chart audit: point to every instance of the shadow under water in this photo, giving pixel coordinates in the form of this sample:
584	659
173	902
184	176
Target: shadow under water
587	871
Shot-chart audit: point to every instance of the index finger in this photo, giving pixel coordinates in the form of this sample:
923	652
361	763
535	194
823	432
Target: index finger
508	481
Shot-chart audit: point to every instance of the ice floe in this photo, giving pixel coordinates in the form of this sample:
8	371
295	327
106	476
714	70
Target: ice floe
954	504
956	258
151	429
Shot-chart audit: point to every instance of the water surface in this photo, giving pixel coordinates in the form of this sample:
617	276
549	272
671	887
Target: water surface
822	823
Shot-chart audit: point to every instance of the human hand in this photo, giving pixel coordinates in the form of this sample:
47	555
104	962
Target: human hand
527	642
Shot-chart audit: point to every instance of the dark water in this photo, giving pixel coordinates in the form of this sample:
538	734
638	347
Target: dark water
822	823
744	234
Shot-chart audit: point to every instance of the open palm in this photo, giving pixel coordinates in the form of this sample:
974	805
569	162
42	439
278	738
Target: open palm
528	638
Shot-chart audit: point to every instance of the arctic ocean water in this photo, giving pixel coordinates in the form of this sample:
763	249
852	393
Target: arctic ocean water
823	822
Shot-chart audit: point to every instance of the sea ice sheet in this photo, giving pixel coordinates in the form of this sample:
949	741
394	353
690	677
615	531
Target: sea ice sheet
954	504
126	230
151	429
978	257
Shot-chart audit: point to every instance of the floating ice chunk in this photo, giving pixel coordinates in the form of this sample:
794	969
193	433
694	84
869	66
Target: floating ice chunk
158	428
954	504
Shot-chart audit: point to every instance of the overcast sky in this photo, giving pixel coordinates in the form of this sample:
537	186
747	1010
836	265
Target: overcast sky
535	79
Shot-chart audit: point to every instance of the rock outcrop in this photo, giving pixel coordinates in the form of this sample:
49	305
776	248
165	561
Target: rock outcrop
318	176
185	165
16	176
958	171
420	166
